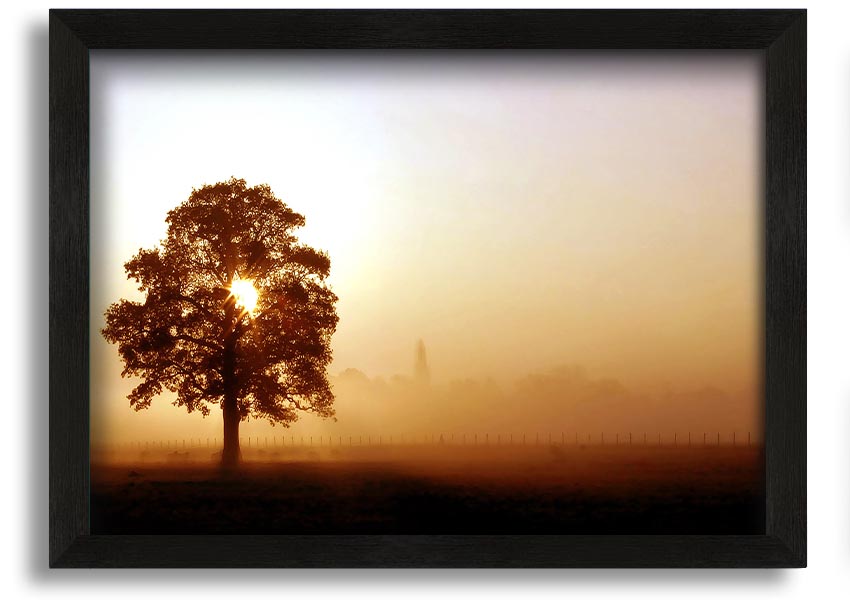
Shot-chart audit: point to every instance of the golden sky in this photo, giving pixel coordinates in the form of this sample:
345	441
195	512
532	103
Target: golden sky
523	213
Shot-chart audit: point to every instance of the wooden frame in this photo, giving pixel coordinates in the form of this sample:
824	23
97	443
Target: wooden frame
780	33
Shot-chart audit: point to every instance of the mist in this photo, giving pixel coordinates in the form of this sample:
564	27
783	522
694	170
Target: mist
574	237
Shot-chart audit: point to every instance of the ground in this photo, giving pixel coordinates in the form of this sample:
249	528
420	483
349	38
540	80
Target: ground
434	489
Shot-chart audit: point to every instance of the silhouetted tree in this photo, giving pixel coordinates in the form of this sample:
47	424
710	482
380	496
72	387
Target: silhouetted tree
236	313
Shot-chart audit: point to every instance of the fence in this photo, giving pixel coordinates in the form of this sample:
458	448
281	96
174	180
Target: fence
563	439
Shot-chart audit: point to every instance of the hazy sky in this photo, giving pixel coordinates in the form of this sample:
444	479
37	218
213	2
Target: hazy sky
517	211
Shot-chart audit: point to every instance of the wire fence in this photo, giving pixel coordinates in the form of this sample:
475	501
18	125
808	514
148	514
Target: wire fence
563	439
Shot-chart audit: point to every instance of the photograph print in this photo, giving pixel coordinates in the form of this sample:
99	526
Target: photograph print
426	292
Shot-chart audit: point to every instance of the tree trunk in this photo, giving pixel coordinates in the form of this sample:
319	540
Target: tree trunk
230	454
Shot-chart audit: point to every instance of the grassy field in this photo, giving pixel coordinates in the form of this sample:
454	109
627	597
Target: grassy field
434	489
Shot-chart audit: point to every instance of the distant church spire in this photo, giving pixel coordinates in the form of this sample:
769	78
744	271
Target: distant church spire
420	365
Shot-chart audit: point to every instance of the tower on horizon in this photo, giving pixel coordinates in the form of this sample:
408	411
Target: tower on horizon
421	374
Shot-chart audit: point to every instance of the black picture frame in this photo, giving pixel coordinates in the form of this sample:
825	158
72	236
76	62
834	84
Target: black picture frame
781	34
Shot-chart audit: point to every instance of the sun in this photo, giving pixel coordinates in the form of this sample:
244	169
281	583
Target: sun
245	294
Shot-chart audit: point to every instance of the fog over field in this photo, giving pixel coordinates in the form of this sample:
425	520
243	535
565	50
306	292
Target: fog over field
562	403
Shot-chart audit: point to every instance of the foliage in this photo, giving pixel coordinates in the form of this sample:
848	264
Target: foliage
191	337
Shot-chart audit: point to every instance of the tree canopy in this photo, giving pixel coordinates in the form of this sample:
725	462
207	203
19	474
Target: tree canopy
195	333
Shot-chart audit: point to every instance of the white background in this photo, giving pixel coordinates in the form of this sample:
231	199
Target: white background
23	529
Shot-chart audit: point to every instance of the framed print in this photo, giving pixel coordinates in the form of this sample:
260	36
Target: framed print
427	288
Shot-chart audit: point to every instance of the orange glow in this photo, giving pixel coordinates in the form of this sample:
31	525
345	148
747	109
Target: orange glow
575	237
